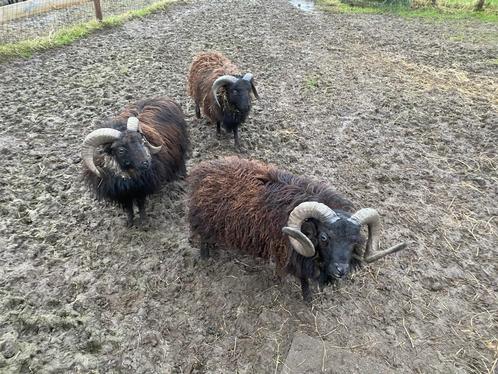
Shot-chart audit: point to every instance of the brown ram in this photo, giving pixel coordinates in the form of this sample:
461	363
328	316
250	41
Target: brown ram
224	94
304	226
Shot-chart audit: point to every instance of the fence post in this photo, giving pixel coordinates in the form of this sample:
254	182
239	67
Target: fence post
98	9
479	6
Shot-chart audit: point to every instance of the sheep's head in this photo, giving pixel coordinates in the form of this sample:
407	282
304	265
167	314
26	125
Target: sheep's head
238	91
315	230
129	148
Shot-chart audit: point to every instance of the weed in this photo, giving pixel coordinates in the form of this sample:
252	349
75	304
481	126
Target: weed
312	82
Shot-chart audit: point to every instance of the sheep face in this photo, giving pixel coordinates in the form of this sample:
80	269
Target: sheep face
239	95
131	152
334	244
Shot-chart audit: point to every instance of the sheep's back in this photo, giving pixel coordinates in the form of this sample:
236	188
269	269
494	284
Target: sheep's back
242	204
163	122
226	206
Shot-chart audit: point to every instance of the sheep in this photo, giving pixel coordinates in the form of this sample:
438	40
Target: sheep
304	226
143	147
216	85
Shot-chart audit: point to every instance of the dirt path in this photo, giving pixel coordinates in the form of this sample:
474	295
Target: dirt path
396	114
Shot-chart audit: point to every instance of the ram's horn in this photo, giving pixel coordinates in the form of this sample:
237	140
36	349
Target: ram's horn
308	209
221	81
371	218
378	255
92	141
248	77
153	149
133	124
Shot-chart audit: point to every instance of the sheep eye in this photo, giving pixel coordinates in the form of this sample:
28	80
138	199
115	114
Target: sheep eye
324	237
121	151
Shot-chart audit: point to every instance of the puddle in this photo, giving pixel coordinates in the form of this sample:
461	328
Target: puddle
304	5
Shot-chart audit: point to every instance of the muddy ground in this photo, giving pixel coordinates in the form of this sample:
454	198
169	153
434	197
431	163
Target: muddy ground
396	114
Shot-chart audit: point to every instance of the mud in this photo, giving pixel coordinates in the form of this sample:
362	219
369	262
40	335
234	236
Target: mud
396	114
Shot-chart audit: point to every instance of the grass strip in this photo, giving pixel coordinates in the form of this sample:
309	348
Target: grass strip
68	35
441	12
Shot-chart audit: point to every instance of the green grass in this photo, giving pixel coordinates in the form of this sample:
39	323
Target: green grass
445	9
68	35
312	82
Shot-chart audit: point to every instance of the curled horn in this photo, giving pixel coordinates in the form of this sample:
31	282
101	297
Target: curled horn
133	124
249	77
153	149
380	254
92	141
308	209
221	81
371	218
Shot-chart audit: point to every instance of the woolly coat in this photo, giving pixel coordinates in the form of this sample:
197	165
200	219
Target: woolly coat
205	69
162	123
243	204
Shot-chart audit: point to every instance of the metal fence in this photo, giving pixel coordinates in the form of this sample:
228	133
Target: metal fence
28	19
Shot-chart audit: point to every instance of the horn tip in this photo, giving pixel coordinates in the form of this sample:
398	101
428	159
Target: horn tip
133	121
393	249
286	229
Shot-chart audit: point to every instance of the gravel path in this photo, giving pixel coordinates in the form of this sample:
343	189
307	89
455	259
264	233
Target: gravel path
396	114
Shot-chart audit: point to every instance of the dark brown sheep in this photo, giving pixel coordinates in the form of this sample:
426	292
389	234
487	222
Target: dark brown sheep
133	154
224	94
303	225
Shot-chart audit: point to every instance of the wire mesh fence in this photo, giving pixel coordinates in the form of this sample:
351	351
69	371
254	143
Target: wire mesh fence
28	19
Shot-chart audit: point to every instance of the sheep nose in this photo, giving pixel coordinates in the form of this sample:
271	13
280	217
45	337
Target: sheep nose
341	270
144	165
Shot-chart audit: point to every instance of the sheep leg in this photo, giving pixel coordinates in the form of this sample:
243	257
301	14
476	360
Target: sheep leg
323	280
128	206
205	250
237	141
305	288
183	171
197	110
236	138
141	209
218	128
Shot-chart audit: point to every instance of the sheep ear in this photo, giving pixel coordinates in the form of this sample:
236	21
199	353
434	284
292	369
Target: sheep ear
249	77
255	93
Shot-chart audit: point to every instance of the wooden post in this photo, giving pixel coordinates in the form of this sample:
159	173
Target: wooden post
98	9
479	6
